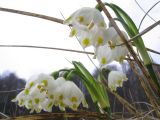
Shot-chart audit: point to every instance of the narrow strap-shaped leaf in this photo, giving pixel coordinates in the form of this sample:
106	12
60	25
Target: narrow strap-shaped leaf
96	88
132	30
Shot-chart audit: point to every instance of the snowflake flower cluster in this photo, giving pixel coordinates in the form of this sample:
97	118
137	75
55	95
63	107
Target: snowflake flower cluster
42	92
89	27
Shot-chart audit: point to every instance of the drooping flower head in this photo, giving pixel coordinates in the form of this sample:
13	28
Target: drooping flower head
113	49
42	92
39	79
69	95
115	79
86	17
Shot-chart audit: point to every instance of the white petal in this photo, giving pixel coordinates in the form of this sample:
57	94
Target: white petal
104	54
85	16
115	79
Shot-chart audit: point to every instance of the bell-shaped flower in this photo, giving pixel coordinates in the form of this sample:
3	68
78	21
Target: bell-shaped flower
20	98
113	49
104	54
31	99
115	79
86	17
47	104
35	99
39	79
69	95
95	37
42	92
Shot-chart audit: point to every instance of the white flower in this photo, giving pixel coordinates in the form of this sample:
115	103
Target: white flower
88	26
34	98
95	37
20	98
119	51
110	52
47	105
42	92
69	95
86	17
115	79
85	38
104	54
38	79
31	99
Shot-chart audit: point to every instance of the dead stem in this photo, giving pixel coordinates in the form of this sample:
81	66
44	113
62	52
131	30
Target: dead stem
32	14
57	20
145	86
52	48
112	21
146	74
9	91
127	105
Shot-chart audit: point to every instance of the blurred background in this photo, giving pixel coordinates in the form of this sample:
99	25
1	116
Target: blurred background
18	64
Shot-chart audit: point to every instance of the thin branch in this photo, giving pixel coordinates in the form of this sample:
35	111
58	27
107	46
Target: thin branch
32	14
156	64
147	13
9	91
142	33
146	30
56	20
130	49
3	115
144	11
153	51
143	103
61	49
83	48
51	48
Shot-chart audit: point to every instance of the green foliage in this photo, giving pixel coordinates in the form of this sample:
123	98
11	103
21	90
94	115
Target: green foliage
132	31
95	88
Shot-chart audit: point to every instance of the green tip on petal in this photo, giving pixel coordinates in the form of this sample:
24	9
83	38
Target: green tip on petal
26	91
51	96
100	40
86	42
31	84
45	82
50	105
21	101
73	33
61	97
120	83
103	61
37	100
102	24
80	19
74	107
73	99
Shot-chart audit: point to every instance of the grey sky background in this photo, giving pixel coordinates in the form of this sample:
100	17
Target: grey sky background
24	30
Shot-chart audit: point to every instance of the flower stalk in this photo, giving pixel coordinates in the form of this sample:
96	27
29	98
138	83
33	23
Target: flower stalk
146	74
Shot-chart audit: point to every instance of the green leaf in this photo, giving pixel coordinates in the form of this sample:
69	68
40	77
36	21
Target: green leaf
93	86
132	31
